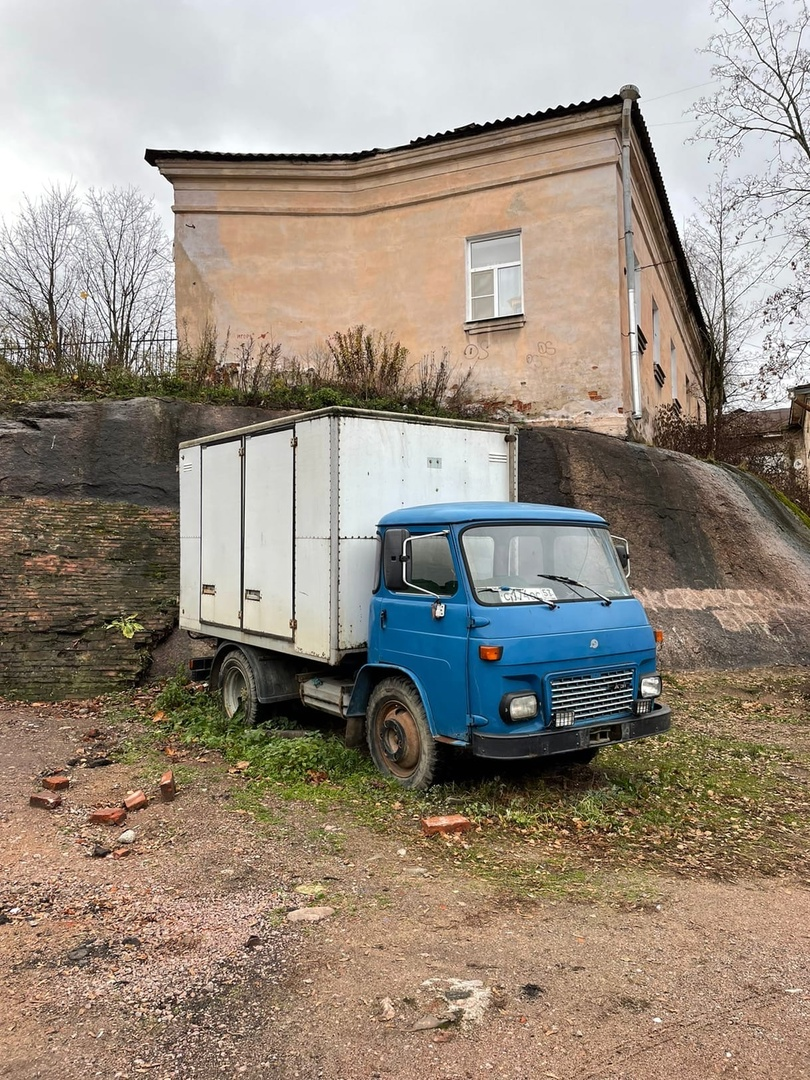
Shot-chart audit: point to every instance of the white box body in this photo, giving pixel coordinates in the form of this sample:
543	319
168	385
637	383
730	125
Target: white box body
278	537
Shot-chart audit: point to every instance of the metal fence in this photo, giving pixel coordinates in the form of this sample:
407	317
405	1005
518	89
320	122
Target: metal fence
152	355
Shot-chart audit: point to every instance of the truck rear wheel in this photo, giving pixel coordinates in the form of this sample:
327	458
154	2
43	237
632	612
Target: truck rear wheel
399	737
238	685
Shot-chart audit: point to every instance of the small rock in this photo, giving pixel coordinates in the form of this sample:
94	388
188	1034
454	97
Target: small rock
97	763
133	941
430	1023
99	851
445	823
310	914
45	800
90	734
56	783
127	837
253	942
135	800
387	1010
110	815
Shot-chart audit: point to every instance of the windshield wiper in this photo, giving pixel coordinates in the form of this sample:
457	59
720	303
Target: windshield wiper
577	584
517	588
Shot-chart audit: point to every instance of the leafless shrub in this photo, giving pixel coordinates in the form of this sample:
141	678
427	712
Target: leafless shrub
368	364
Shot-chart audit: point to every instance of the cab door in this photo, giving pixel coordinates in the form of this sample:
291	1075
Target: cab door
416	635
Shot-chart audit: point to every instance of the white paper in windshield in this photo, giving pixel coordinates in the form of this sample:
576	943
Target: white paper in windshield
525	596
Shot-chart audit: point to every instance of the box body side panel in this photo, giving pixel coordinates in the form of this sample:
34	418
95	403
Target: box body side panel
313	537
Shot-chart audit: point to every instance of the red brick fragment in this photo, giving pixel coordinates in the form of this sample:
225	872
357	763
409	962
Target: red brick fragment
110	815
121	852
90	734
168	787
445	823
56	783
135	800
45	800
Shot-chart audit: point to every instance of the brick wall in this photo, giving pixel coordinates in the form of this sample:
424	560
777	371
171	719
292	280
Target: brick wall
66	569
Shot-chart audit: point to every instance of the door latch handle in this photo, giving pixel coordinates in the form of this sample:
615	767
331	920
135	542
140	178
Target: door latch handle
383	618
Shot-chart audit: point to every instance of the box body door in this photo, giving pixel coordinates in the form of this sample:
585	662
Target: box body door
221	546
268	552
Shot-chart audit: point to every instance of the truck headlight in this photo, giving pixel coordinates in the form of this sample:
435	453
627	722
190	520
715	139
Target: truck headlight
520	706
650	686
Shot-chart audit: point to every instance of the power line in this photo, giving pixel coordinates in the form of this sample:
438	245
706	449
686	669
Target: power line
672	93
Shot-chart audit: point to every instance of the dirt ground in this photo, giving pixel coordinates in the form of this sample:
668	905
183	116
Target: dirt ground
175	957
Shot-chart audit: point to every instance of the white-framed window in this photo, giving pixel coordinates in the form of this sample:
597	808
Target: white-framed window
494	276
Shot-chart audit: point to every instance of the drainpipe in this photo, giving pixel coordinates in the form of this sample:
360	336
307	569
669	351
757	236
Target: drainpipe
629	94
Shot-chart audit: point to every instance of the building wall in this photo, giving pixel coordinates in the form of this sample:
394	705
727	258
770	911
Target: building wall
292	251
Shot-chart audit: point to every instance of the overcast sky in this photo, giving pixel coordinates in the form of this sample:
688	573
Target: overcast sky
86	86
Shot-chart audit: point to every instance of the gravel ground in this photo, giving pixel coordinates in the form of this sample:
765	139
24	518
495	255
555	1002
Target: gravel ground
177	959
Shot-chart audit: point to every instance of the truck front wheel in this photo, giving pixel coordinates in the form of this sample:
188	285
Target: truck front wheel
238	685
399	738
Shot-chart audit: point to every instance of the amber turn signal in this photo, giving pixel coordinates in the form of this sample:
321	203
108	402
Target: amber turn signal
659	636
490	652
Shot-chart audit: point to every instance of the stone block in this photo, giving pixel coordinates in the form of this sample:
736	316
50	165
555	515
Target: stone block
445	823
109	815
135	800
56	783
46	800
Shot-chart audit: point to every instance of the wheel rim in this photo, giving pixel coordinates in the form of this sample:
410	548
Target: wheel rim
398	739
234	691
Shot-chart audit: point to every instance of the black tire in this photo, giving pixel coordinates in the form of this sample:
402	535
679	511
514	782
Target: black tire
399	737
237	684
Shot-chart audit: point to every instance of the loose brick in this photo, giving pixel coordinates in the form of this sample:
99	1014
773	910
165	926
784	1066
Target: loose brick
135	800
56	783
446	823
168	787
46	800
109	815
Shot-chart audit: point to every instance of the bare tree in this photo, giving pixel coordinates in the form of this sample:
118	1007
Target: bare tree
38	282
729	273
763	68
127	269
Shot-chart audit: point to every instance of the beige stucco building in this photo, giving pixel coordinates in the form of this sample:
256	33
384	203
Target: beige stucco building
502	244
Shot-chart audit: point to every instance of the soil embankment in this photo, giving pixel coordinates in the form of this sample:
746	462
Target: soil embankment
720	564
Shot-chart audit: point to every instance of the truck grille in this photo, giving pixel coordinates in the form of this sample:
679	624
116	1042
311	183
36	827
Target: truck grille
590	697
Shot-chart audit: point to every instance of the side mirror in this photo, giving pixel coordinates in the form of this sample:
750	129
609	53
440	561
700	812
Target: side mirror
623	552
392	558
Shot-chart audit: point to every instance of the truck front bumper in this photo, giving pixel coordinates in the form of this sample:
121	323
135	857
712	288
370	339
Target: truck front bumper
567	740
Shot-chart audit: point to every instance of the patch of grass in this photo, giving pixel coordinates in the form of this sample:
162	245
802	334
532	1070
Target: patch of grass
705	799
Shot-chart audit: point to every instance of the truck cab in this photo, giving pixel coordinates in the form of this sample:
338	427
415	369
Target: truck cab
507	629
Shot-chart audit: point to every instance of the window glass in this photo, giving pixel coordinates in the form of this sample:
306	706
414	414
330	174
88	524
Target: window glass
509	298
499	249
430	565
519	563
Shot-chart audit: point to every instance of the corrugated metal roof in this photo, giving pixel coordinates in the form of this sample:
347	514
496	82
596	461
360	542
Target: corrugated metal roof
469	131
465	132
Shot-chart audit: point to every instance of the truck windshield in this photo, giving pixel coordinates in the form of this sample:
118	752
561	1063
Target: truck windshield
542	564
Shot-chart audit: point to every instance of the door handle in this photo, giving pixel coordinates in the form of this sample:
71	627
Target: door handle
383	618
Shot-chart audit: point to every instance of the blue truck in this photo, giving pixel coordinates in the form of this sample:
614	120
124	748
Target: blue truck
472	622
